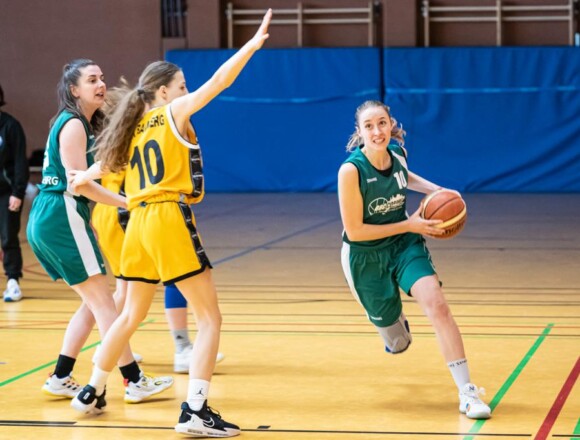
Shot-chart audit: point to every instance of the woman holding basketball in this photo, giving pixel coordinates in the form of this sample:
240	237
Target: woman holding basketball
383	248
151	136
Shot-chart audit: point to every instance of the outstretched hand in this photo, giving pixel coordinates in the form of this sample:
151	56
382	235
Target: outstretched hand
262	33
421	226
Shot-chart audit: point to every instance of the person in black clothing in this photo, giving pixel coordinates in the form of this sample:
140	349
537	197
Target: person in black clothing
13	182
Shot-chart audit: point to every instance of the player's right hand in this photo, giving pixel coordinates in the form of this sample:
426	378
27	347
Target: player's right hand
419	225
77	178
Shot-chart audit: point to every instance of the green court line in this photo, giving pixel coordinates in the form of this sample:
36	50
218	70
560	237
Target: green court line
42	367
576	433
510	380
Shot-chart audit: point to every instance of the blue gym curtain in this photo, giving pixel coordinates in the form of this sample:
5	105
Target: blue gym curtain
284	124
490	119
478	119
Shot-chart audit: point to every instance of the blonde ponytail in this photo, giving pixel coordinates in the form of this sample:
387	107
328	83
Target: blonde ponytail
125	108
112	146
354	141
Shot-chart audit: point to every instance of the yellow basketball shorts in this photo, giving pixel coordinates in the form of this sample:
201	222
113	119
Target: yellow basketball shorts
110	223
162	244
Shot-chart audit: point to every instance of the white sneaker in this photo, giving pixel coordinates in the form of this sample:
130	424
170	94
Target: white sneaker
471	405
181	360
146	387
138	358
65	387
12	292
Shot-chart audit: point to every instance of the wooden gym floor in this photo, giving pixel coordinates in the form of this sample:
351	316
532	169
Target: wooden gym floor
302	362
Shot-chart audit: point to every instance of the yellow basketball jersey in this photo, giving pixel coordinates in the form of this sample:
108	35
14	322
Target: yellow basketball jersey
113	181
163	165
109	222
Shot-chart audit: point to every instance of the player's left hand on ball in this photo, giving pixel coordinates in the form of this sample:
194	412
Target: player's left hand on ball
453	191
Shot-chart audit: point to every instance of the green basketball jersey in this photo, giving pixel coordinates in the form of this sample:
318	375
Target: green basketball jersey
54	177
384	197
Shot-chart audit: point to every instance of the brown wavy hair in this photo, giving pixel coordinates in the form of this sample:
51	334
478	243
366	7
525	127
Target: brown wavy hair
71	73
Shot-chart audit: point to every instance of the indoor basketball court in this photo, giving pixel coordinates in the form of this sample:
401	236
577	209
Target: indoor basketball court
487	92
303	362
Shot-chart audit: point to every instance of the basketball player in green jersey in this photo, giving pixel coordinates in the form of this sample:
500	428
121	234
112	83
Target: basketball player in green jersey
383	248
62	240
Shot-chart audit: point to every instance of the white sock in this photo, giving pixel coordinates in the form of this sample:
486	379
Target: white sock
460	372
99	379
197	393
181	339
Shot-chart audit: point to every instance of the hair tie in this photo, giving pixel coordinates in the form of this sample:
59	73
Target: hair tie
140	92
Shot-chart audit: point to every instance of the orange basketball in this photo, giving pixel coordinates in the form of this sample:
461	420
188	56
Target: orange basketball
447	206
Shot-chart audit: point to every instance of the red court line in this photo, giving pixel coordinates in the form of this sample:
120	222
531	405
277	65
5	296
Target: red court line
558	403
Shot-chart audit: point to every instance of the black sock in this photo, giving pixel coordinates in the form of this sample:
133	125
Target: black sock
64	366
131	372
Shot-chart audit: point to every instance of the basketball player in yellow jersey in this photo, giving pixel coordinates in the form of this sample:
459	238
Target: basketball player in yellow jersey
150	135
110	224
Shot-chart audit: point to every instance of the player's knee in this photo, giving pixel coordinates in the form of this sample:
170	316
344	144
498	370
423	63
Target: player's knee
397	336
209	321
130	321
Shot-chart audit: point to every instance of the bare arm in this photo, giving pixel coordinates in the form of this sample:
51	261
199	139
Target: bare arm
183	107
419	184
73	141
351	212
99	194
77	178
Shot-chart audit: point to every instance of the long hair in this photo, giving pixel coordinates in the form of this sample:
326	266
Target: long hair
397	132
112	145
2	102
71	73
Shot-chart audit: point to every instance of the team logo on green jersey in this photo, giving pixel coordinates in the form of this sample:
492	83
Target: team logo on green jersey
383	206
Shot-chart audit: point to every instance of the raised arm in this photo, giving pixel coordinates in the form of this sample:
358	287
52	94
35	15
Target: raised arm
182	108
